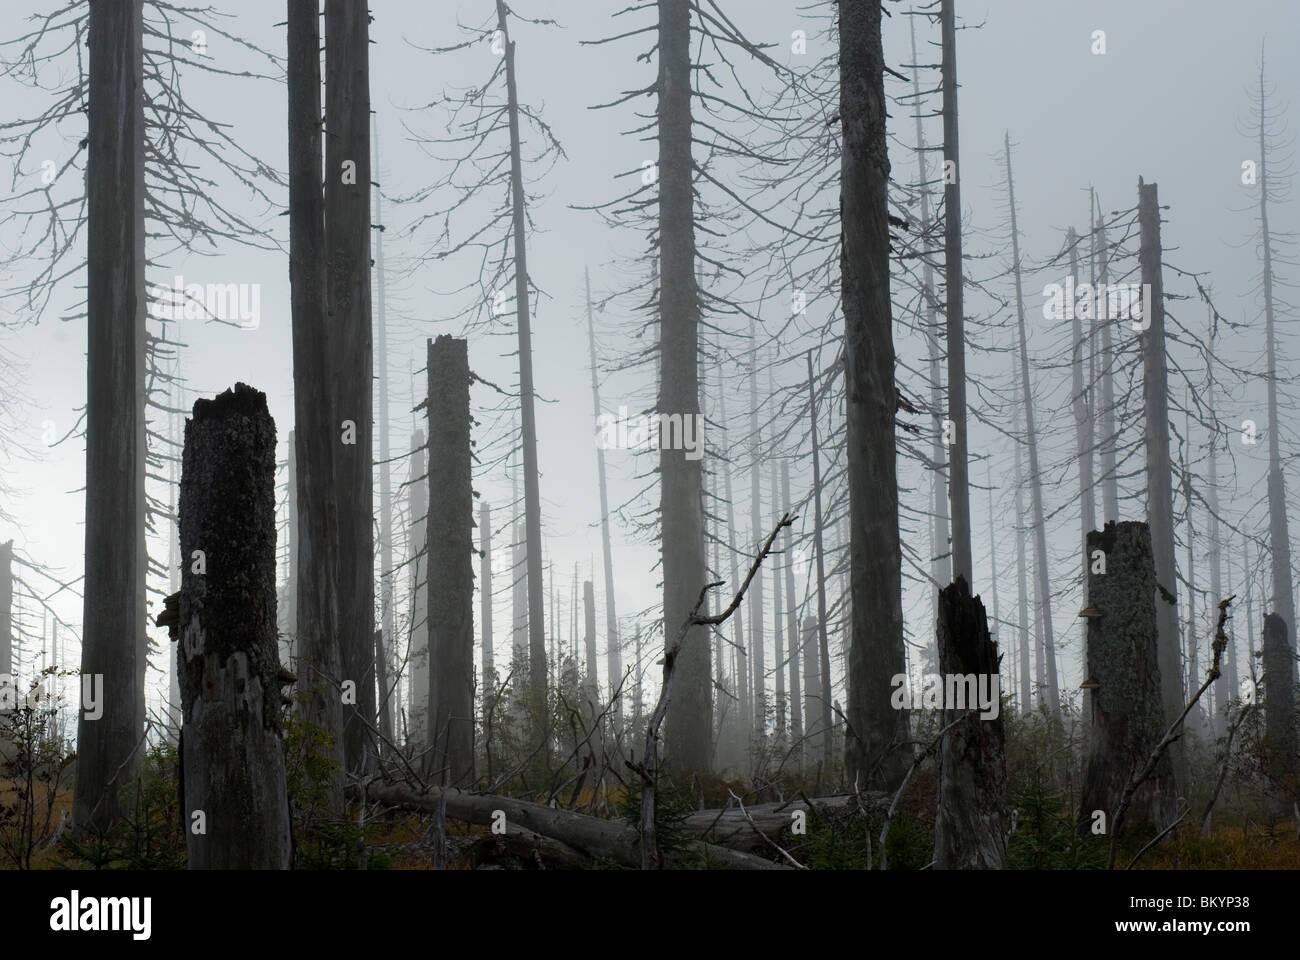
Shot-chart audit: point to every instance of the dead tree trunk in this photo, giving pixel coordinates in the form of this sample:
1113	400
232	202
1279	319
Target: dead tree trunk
1099	269
968	830
779	615
613	656
688	729
815	728
1083	426
792	622
387	644
875	648
418	657
485	590
958	470
1279	704
236	807
451	572
1022	568
1124	683
589	637
758	656
741	673
1160	496
113	614
1042	579
825	738
347	250
6	616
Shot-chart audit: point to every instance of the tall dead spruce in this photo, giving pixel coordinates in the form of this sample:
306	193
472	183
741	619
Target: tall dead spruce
236	808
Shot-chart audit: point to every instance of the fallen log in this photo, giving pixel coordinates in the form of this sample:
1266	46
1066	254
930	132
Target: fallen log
729	826
613	840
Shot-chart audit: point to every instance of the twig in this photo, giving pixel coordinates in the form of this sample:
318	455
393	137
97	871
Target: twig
772	843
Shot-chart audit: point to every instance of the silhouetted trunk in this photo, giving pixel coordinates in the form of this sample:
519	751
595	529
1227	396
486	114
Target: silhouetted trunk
236	809
825	739
6	615
816	731
689	724
758	659
316	430
792	621
485	591
386	646
968	829
1042	579
528	420
875	649
589	637
113	631
1160	497
1124	684
779	614
418	706
613	656
347	249
1279	704
451	571
741	673
958	475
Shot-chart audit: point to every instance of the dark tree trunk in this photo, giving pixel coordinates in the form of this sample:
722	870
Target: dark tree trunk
387	642
589	637
1160	495
876	619
418	708
815	729
451	571
689	726
968	829
347	246
778	615
236	808
757	651
6	618
825	738
792	622
1123	683
316	430
113	613
958	469
1279	703
485	591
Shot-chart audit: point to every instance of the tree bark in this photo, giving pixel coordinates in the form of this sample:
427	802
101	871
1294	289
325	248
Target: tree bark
6	620
824	734
688	729
236	807
113	612
451	571
418	704
875	650
485	591
1279	705
968	829
1124	709
347	248
958	470
1160	497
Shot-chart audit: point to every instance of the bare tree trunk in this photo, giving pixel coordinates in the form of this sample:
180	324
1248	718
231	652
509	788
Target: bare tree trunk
940	548
1022	606
968	829
792	621
1231	677
758	659
1279	705
875	650
6	615
451	572
418	708
528	419
1124	684
1042	580
613	656
1160	498
958	471
1279	539
825	738
386	646
777	606
236	807
1100	273
589	637
687	729
1196	719
113	617
485	590
743	690
1083	426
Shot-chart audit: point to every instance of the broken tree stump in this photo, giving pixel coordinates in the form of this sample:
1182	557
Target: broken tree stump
1124	704
236	808
968	831
450	538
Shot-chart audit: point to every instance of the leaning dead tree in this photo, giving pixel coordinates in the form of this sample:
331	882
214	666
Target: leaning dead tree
1123	681
968	830
233	779
451	570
